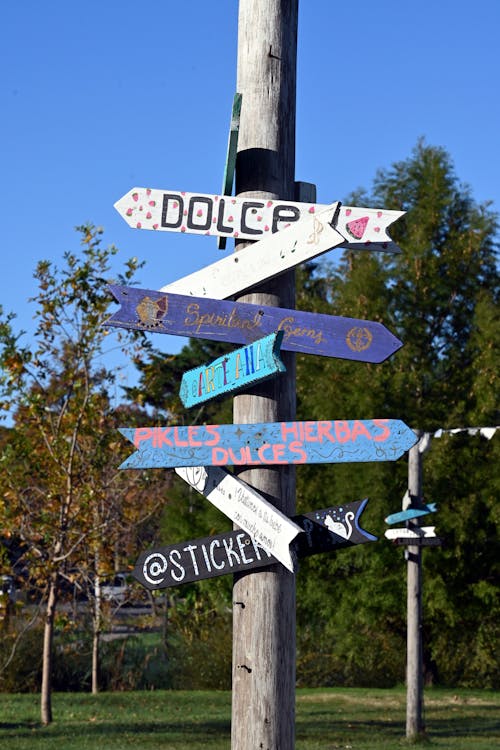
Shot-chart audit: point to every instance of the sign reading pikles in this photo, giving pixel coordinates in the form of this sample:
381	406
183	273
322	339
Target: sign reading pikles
325	441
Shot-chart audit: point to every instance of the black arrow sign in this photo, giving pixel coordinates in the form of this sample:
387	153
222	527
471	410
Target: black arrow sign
234	551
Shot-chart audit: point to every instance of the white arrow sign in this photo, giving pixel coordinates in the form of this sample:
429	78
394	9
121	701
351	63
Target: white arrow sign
417	532
266	524
248	218
262	260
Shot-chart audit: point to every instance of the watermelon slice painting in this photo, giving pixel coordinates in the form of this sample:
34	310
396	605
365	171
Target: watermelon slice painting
356	228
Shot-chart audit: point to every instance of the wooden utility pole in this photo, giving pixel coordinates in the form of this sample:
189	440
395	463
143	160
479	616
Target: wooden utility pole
263	712
414	651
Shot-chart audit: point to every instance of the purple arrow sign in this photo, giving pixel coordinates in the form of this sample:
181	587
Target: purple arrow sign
244	323
325	530
326	441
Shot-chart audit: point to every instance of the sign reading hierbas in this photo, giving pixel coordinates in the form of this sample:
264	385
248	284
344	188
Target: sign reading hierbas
325	441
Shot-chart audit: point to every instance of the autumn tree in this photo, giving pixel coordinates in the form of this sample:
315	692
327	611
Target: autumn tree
57	389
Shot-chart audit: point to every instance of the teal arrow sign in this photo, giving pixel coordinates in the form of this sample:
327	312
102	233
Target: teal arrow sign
234	371
409	513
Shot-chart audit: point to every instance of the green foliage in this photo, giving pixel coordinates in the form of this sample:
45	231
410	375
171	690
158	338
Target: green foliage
440	296
201	720
63	498
21	660
200	641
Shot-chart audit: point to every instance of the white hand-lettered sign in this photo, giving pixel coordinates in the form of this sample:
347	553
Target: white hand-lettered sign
270	528
248	218
263	260
417	532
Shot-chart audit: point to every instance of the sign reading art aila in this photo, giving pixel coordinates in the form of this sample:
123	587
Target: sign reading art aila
233	371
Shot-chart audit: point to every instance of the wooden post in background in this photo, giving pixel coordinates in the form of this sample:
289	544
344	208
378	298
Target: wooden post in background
263	711
414	652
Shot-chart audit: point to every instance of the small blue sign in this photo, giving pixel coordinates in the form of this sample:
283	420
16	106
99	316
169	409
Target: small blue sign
409	513
232	372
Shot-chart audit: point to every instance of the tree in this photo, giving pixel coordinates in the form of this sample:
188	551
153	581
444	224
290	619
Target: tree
57	391
439	296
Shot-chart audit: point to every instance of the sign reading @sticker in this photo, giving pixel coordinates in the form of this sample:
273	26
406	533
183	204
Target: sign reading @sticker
325	530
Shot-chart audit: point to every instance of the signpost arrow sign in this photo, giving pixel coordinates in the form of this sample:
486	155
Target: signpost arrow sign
409	513
248	218
235	551
268	526
244	323
311	236
234	371
416	532
232	147
422	541
326	441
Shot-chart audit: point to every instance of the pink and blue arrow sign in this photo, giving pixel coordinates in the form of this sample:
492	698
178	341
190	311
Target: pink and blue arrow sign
325	441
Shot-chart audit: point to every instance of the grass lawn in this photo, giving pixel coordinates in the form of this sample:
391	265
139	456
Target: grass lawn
327	719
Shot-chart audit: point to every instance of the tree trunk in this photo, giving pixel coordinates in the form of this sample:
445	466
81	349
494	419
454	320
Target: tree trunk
47	661
264	602
414	660
96	635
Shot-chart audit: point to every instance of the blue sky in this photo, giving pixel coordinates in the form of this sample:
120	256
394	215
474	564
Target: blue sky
100	97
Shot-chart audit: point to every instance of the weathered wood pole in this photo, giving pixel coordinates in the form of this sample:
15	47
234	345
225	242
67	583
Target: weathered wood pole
414	649
263	711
